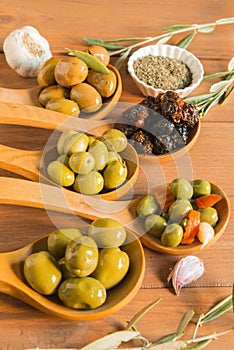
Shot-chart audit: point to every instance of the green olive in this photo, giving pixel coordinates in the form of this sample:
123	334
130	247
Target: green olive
201	188
76	143
112	156
155	225
63	158
179	209
63	105
82	162
107	232
100	152
181	189
60	173
147	206
81	256
45	76
115	140
100	53
63	268
172	235
58	240
209	215
113	265
115	174
70	71
90	184
50	92
42	272
87	97
62	139
105	84
82	293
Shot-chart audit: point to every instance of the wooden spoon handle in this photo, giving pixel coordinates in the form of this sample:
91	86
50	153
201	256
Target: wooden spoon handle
21	162
17	114
27	96
39	195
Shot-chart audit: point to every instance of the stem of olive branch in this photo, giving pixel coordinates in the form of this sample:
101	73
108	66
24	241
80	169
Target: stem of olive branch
161	36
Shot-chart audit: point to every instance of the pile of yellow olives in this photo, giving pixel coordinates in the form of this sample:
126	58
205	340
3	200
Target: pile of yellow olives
87	164
72	84
80	265
169	225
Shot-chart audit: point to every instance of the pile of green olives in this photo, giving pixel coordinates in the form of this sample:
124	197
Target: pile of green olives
72	84
169	225
88	164
80	265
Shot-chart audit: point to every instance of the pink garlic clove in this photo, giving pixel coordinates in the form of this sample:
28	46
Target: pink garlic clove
185	271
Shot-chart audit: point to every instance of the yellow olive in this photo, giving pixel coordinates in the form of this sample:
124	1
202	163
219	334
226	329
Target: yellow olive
82	293
101	53
63	105
45	76
62	138
87	97
115	174
58	240
107	232
60	173
105	84
81	162
42	272
91	183
63	268
63	158
53	91
112	156
100	153
81	256
147	206
76	143
115	140
113	264
70	71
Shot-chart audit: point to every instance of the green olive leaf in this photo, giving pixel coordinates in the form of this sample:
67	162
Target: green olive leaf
215	75
173	345
218	310
186	41
200	345
106	44
217	87
176	27
225	20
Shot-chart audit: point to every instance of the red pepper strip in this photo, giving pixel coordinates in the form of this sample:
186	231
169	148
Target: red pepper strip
192	227
208	200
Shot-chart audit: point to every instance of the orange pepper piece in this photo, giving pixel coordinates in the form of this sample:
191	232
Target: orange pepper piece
208	200
191	229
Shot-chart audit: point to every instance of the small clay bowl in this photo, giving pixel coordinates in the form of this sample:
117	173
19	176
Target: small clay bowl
223	209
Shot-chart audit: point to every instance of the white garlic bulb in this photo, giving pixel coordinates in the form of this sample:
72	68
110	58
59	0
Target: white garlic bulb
26	50
185	271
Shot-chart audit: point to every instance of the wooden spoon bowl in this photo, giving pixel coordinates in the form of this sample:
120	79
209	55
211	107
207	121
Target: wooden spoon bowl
30	97
32	194
12	282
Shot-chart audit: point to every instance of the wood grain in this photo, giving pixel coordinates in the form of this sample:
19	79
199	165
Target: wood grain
63	23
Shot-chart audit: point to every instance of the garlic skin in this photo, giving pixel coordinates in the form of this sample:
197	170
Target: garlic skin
26	50
185	271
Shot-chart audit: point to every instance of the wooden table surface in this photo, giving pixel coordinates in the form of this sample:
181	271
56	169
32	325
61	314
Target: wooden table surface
63	23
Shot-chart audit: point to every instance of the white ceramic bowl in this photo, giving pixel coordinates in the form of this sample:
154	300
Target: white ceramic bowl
170	51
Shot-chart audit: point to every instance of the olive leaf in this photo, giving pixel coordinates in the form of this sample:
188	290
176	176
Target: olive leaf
107	45
218	310
176	27
216	75
173	345
186	41
205	30
217	87
200	345
225	20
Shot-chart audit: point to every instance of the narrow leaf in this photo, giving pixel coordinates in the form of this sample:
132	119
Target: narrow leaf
206	29
164	40
217	87
225	20
167	338
121	59
185	321
215	75
226	95
111	340
174	345
186	41
123	39
231	64
198	98
176	27
107	45
141	313
218	310
200	345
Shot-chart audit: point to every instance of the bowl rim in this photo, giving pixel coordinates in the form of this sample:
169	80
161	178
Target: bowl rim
145	51
197	247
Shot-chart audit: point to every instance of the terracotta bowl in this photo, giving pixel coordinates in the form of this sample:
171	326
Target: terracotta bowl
223	209
15	285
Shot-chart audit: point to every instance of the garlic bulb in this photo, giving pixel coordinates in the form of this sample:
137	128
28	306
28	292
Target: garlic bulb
185	271
26	50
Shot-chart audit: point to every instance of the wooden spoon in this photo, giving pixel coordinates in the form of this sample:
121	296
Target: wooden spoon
32	194
29	97
12	282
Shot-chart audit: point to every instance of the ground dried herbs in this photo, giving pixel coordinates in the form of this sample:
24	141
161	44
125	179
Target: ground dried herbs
162	72
160	125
